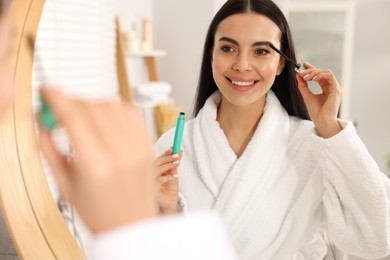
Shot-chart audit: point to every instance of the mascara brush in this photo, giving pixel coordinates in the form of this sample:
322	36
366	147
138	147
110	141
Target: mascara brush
296	65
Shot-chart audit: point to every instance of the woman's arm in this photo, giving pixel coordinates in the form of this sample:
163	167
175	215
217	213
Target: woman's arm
356	197
356	192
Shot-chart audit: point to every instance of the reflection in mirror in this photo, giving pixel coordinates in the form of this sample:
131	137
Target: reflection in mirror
75	50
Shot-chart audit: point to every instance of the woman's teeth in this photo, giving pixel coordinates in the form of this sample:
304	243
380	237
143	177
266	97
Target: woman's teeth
246	83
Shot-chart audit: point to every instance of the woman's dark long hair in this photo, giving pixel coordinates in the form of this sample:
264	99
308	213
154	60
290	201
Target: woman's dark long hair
285	86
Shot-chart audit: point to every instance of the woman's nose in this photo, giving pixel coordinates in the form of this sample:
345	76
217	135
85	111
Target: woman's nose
242	63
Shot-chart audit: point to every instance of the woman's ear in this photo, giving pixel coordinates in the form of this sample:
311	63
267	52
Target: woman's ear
282	63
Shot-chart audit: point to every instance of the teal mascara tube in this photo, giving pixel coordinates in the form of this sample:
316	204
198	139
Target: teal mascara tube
47	117
178	133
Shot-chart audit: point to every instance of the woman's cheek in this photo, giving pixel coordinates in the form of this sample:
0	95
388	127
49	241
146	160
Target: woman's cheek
268	71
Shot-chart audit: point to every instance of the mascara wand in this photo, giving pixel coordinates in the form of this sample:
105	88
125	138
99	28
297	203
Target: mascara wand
296	65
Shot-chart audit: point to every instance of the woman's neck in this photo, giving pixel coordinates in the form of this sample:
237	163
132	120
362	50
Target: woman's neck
239	123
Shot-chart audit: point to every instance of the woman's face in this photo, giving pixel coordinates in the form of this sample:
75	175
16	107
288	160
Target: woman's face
243	68
5	67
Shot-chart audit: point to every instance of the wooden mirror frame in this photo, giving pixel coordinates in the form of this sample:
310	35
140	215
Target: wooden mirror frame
34	222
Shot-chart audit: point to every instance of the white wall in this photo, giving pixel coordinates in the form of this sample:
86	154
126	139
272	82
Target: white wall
131	13
133	10
218	4
370	102
180	28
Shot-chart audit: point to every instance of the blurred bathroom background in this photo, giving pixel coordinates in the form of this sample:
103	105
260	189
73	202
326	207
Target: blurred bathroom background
351	37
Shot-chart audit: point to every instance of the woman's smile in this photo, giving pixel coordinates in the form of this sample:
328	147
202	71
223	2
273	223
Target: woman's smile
241	84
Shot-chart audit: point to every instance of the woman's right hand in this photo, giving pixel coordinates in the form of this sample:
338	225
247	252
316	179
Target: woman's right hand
110	181
165	167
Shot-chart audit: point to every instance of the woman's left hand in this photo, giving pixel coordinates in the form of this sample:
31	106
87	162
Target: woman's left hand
323	108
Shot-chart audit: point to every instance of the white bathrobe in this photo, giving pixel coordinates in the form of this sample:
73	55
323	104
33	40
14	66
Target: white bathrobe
288	188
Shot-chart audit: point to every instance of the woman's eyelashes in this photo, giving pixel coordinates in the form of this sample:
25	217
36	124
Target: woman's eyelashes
227	49
258	52
262	52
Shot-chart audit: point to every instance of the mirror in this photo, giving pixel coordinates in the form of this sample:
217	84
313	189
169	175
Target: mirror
74	53
24	192
28	206
34	220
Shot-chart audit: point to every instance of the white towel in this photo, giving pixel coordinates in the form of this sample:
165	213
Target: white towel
154	88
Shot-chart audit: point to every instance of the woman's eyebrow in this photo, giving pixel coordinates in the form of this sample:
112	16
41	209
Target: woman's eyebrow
260	43
227	39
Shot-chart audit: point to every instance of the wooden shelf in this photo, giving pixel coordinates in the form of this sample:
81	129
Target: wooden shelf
150	61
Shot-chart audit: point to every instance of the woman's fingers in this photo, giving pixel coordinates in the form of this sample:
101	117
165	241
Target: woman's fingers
79	128
303	87
57	162
166	169
167	152
164	160
310	74
308	65
167	178
167	158
322	77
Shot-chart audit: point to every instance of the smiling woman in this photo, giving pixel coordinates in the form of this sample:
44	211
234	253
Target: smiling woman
270	155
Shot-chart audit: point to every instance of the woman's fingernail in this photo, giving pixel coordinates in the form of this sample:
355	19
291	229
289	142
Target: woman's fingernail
176	162
175	155
175	175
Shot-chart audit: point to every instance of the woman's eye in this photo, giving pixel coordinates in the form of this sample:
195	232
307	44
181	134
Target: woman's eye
262	52
227	49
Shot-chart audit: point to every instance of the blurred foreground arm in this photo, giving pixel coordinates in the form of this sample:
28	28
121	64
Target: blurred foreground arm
111	183
110	180
190	237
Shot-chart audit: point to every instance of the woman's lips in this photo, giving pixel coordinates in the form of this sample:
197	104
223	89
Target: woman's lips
242	84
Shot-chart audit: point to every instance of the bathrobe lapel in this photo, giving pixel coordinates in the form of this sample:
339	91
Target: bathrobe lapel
212	151
240	185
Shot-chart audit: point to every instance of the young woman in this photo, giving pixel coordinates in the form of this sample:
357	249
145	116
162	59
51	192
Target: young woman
281	182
